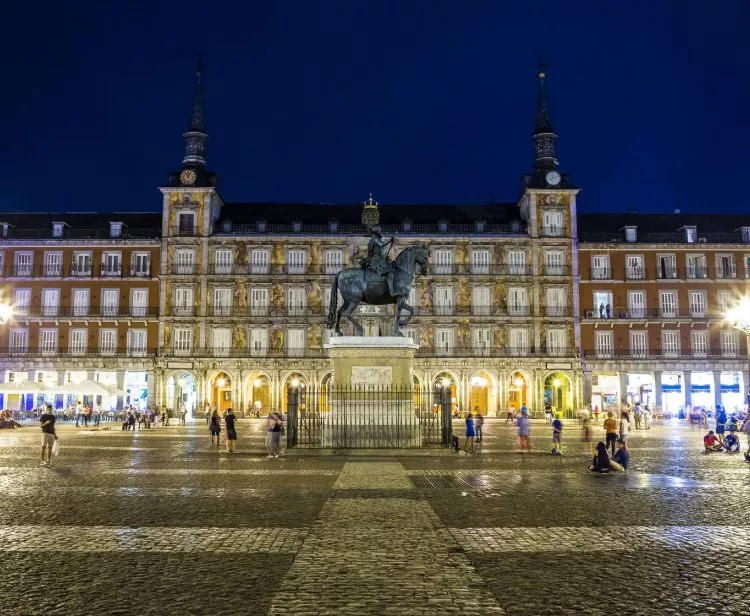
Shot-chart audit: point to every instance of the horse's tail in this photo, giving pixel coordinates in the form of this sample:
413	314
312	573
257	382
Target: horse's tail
331	320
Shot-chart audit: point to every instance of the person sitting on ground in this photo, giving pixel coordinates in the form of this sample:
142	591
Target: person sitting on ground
621	459
600	463
731	442
711	442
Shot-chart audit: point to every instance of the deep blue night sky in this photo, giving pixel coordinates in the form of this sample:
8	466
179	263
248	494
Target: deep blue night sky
416	101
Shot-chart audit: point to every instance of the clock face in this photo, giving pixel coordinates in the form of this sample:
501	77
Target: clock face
553	178
188	177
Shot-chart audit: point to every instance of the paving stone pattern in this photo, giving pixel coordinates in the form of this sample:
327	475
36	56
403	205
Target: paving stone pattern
161	522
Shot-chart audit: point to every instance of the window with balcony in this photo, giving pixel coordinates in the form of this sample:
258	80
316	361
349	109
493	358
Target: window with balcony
481	304
603	305
183	301
443	300
518	341
724	301
259	301
185	262
696	267
666	266
516	262
557	302
670	343
221	341
138	302
140	264
333	261
603	344
48	341
223	262
24	264
557	341
110	302
726	266
136	341
107	341
186	224
296	262
442	261
480	261
112	264
554	263
296	341
730	345
258	341
52	264
78	340
183	340
222	302
697	301
518	301
444	341
636	304
50	302
18	341
699	343
296	301
639	343
21	301
552	223
668	303
81	264
259	261
481	341
600	267
81	302
634	268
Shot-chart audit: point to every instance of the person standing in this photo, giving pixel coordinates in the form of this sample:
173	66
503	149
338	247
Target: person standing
624	426
746	430
524	432
721	422
637	416
596	413
557	428
610	427
231	439
646	417
275	425
470	434
183	413
548	412
214	426
207	413
47	423
479	427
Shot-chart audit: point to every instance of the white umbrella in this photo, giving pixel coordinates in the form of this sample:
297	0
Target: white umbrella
86	386
22	387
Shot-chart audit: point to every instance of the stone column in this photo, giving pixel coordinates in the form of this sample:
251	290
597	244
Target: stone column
121	387
657	390
623	387
687	380
151	383
717	386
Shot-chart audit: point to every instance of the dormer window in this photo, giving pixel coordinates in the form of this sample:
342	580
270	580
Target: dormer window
57	229
296	226
226	226
691	235
406	225
515	226
479	225
333	225
115	229
4	229
443	225
631	234
745	234
261	225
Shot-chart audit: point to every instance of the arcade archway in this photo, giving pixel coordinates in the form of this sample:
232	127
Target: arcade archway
519	386
220	392
257	394
182	388
483	393
558	392
302	383
446	383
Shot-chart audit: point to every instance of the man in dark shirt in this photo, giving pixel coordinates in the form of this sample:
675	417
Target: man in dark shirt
47	422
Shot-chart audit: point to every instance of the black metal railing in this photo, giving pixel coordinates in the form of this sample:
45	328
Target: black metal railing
664	238
38	310
661	353
602	314
70	233
553	231
64	353
662	273
262	228
367	417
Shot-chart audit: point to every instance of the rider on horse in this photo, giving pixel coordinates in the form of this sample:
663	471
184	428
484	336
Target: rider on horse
377	256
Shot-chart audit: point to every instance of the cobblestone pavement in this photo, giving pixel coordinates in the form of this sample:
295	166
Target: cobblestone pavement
162	522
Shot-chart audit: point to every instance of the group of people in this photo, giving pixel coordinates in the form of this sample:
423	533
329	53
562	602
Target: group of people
274	431
719	440
7	422
602	463
474	432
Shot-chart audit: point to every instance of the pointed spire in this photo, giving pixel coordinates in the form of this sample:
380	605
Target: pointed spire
195	138
544	135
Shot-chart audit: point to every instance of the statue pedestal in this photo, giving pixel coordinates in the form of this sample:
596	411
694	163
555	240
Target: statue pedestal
372	398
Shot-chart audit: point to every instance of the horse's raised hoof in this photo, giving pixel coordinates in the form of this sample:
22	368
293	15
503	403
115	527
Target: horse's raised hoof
399	334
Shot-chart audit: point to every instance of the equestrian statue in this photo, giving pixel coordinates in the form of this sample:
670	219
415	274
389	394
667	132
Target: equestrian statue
378	281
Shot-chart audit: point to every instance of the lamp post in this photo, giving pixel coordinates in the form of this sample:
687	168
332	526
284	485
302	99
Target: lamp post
445	408
739	318
292	406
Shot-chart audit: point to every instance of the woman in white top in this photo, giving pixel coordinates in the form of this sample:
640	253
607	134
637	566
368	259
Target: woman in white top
624	425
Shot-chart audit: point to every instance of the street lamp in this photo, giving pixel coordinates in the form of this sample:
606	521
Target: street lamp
739	318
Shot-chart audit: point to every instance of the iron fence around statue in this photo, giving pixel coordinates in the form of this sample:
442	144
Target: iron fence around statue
368	417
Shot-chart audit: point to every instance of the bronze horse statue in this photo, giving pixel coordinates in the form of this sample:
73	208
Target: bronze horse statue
360	284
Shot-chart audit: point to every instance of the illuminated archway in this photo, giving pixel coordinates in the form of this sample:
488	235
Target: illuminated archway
442	381
519	387
220	392
302	383
482	393
558	392
182	389
257	392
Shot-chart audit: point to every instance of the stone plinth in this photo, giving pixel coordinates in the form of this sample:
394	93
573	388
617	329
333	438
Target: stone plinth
371	402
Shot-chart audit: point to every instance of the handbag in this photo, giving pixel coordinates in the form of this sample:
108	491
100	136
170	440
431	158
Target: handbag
56	448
